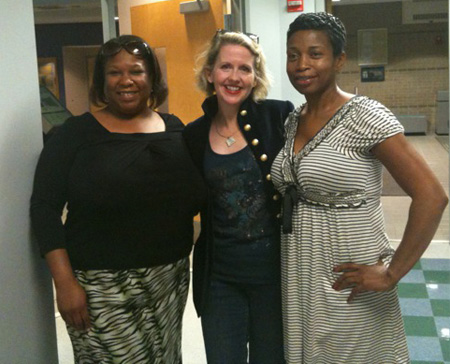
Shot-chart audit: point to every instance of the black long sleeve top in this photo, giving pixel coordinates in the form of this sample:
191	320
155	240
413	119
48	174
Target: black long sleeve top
130	197
262	125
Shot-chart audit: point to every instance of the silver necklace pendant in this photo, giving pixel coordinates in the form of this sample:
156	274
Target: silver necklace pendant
230	141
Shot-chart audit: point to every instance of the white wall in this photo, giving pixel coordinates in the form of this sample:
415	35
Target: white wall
27	324
270	20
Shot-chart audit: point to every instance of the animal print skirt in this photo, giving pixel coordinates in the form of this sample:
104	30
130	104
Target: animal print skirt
136	315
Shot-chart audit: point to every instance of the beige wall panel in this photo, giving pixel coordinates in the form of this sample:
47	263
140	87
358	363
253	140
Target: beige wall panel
183	36
78	77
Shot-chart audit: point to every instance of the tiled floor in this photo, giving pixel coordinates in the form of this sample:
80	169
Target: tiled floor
424	292
425	302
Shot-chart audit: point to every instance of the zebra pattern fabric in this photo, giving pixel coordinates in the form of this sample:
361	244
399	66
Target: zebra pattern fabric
136	315
319	325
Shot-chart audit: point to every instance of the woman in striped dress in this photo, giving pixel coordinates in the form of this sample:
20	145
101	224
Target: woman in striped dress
339	272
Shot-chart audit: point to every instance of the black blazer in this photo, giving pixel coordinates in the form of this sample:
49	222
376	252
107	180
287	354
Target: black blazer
262	125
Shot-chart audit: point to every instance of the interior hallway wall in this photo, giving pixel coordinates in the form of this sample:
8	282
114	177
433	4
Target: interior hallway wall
123	11
160	23
27	324
52	38
270	20
78	70
417	65
182	36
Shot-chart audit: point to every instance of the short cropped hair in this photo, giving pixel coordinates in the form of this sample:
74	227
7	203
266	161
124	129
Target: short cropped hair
330	24
207	59
109	50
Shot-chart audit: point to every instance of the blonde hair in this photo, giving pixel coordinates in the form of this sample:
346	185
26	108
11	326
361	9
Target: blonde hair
208	57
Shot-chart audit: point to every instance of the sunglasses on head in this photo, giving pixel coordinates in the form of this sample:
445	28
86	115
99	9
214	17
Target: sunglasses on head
253	37
134	47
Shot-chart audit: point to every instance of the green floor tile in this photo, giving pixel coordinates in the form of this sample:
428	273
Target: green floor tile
412	290
420	326
440	307
434	276
445	346
417	265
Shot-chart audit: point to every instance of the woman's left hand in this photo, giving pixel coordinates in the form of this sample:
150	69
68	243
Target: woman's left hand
363	278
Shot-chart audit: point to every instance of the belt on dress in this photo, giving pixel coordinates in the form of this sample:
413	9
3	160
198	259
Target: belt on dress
289	200
292	194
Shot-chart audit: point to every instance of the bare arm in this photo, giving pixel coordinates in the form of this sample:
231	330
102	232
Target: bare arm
428	203
70	296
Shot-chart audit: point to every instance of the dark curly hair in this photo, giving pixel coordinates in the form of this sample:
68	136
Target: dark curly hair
330	24
144	51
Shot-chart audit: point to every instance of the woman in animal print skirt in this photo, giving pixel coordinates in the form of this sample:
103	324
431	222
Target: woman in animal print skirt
120	261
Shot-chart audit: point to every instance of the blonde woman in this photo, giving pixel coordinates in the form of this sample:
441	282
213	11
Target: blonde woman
236	258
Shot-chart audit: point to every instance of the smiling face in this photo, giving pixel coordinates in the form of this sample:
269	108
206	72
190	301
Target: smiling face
233	75
311	65
127	84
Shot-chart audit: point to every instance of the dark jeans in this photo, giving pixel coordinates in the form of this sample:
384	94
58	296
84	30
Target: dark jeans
239	314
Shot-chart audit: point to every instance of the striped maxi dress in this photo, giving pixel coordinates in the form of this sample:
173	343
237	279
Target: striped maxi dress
337	219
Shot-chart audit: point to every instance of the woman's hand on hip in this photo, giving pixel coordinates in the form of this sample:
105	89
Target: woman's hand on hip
361	278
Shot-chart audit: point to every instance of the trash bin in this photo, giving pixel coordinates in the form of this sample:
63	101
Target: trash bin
442	112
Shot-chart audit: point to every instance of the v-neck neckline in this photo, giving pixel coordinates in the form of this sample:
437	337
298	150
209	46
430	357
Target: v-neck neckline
321	134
